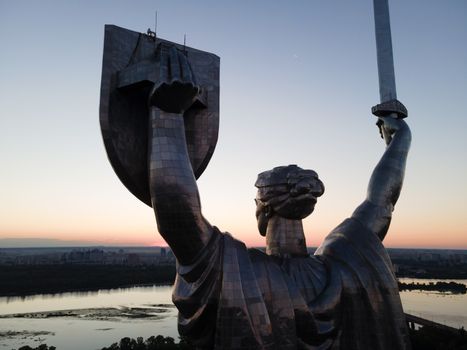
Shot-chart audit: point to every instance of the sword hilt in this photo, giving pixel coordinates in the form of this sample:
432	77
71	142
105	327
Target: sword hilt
387	108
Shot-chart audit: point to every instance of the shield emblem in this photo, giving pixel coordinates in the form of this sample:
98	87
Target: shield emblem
130	68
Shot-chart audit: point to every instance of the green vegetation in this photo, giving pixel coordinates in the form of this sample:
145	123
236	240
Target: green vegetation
41	279
425	338
152	343
40	347
451	287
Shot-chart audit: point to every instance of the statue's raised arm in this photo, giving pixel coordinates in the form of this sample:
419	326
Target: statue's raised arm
172	183
387	178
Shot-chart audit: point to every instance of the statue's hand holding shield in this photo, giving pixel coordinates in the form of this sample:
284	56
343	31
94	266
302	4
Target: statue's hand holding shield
176	90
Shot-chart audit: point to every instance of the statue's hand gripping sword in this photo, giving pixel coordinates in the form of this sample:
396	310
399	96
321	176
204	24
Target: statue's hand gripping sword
389	106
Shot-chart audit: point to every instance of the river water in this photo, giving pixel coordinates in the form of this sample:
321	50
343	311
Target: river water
83	333
446	308
87	330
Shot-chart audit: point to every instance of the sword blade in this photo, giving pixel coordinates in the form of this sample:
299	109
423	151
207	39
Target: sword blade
387	80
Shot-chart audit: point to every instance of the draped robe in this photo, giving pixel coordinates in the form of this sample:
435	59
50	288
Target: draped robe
343	297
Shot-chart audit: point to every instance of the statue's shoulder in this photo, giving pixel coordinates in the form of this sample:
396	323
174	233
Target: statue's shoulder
350	232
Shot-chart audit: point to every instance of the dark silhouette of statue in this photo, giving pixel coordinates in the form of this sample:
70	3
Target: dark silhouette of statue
345	296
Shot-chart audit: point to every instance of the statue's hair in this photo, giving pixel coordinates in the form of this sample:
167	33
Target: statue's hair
283	175
279	189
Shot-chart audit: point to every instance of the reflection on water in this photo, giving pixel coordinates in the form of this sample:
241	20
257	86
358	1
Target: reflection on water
77	333
446	308
129	297
80	333
49	296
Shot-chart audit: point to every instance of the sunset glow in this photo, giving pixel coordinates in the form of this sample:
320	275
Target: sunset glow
298	80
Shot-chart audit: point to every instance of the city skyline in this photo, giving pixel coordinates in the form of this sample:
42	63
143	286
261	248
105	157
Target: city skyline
297	84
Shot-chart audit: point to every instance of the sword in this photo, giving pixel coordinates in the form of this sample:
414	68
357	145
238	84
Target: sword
389	106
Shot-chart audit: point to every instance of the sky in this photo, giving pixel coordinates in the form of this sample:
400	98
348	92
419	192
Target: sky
298	79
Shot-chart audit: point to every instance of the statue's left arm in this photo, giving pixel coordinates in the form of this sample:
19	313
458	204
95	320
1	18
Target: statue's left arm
174	192
386	180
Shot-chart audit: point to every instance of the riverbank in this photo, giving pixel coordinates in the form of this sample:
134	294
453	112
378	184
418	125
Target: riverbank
23	280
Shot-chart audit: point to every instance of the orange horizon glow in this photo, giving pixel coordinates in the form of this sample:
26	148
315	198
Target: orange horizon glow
394	239
128	222
135	225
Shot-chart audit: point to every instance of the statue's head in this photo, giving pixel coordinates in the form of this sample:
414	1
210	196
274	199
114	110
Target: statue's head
286	191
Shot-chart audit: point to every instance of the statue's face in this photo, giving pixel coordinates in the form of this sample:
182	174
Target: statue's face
294	200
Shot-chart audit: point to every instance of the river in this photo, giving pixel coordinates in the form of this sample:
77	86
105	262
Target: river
103	317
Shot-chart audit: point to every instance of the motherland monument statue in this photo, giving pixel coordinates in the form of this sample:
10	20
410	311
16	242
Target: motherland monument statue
159	117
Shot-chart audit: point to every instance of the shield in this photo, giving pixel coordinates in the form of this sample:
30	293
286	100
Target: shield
130	68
